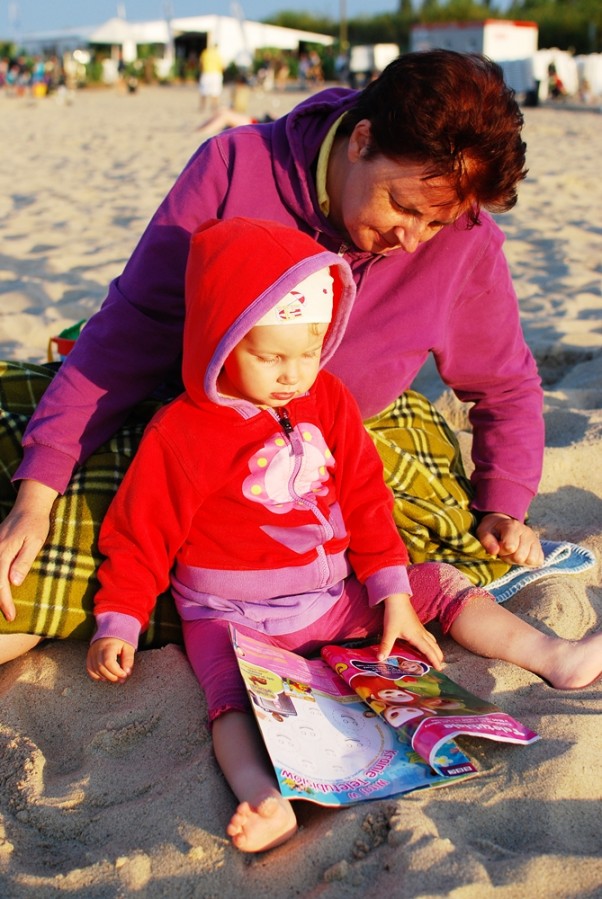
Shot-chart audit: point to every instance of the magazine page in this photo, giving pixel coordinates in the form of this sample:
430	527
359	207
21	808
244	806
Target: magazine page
326	745
420	702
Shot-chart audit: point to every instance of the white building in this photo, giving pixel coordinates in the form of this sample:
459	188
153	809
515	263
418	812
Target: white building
512	44
237	39
499	39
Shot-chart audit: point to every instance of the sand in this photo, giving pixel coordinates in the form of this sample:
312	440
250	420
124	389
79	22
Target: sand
113	792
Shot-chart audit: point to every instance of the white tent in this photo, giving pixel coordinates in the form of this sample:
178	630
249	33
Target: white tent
233	36
237	39
589	70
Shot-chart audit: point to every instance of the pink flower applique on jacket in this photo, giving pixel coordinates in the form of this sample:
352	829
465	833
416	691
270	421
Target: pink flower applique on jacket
275	481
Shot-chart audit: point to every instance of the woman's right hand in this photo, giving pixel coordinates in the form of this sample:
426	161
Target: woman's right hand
22	535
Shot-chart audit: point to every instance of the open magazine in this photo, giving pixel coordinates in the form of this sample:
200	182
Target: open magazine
346	727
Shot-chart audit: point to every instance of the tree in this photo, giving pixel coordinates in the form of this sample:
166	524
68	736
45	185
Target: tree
567	24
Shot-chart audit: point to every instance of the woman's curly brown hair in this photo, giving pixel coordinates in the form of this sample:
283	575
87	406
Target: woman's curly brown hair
453	113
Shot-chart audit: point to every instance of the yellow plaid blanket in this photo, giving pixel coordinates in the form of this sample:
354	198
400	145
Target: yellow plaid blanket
424	469
422	464
56	599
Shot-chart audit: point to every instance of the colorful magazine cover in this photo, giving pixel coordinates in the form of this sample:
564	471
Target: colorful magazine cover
327	745
419	702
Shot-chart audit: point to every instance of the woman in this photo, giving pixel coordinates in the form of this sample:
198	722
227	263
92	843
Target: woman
396	178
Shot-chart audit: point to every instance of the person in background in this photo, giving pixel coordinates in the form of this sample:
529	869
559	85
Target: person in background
556	88
211	77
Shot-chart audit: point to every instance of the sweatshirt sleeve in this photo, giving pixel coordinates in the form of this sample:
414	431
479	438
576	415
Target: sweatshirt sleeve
144	528
376	552
134	342
484	357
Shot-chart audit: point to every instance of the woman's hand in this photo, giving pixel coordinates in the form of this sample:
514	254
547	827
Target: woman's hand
510	540
22	535
110	659
402	622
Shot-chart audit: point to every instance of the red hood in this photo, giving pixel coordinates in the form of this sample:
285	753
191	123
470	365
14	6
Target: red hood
237	270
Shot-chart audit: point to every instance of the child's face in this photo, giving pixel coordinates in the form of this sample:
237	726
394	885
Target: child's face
273	364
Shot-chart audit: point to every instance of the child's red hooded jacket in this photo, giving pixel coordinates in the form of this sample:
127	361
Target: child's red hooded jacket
250	519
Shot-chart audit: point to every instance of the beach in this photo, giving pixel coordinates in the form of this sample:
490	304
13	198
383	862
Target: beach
111	792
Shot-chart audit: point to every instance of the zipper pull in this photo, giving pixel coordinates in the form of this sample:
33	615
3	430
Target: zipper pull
285	422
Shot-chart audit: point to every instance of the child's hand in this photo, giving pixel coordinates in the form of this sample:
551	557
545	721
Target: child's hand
510	540
110	659
401	621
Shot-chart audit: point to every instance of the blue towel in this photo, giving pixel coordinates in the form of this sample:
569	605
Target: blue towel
560	558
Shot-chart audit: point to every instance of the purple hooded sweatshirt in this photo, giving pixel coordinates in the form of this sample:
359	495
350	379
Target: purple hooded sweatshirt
452	297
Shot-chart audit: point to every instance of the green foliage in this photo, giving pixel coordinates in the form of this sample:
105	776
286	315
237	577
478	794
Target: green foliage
94	71
566	24
149	51
383	29
304	21
134	69
454	11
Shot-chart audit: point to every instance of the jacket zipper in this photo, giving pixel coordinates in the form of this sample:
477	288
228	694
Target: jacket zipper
284	421
297	449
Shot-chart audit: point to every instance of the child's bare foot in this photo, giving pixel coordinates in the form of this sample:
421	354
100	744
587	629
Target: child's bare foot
270	823
576	664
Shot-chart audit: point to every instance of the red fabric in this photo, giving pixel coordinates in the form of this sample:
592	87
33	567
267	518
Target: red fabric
183	498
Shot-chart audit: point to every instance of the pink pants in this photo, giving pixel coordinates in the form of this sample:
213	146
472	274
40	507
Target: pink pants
439	592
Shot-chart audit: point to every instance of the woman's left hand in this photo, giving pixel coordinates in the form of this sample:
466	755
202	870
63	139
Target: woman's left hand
510	540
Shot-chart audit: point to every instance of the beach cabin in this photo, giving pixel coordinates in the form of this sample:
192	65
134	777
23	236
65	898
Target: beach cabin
512	44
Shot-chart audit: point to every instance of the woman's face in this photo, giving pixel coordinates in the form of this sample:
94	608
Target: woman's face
382	204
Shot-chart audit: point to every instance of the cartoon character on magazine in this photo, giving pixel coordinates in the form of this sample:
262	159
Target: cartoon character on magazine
396	706
426	685
402	689
428	688
397	710
416	677
399	706
373	682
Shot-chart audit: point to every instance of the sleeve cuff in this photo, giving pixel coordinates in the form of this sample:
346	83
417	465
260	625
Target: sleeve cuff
387	581
119	626
46	465
499	495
